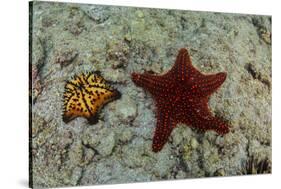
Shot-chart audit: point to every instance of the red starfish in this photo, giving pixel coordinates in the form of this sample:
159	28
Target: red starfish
182	96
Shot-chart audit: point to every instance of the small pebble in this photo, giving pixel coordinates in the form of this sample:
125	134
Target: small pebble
106	145
194	143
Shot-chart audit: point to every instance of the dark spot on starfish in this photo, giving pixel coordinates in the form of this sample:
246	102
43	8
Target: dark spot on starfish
181	96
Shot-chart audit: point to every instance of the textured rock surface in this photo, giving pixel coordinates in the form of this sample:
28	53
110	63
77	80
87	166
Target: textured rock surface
72	38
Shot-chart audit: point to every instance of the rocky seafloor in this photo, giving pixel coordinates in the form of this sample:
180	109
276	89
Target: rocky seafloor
76	38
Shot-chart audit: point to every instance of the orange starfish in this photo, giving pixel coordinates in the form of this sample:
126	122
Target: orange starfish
182	96
85	95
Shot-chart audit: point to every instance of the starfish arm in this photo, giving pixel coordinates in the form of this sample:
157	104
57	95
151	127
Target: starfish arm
156	85
207	84
220	126
210	123
163	129
183	68
180	68
203	119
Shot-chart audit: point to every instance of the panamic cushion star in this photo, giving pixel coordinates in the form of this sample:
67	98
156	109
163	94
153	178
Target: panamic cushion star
181	96
85	95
